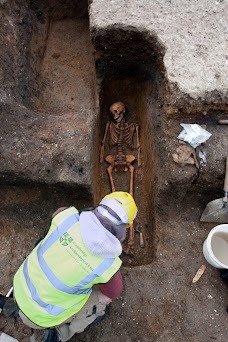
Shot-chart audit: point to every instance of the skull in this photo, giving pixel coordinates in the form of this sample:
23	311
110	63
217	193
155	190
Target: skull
117	110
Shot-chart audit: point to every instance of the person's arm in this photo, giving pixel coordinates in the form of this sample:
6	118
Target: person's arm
113	287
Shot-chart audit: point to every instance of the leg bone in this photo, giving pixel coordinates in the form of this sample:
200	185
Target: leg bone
110	169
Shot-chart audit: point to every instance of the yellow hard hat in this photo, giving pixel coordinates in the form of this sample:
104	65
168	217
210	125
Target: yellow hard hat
123	205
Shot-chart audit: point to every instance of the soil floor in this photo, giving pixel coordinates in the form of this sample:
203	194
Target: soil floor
66	80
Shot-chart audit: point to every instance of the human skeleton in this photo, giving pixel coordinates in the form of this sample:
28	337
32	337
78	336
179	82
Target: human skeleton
121	135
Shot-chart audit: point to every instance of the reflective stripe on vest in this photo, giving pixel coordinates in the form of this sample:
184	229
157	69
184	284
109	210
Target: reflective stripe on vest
51	309
57	283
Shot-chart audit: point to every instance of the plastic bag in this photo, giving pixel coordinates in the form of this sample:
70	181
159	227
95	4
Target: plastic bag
193	134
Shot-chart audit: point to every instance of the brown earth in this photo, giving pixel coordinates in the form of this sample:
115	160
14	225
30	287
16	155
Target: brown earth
54	106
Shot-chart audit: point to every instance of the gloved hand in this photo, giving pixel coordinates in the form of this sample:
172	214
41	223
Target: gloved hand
8	306
3	299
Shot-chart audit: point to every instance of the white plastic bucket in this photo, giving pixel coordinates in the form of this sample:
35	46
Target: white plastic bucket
215	247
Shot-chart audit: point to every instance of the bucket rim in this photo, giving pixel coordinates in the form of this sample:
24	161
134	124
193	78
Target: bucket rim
208	241
215	228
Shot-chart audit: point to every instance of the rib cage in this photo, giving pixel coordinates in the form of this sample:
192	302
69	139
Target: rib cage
122	134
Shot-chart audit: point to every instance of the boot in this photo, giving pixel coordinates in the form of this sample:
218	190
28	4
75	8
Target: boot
50	335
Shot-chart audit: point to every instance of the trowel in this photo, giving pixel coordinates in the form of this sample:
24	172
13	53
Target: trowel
217	210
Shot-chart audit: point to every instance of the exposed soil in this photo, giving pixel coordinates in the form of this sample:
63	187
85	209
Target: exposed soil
159	302
66	82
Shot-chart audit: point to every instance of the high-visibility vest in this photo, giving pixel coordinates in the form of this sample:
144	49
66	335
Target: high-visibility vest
56	279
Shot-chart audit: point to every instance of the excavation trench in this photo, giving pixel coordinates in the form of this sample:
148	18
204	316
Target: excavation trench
135	79
65	68
70	80
134	88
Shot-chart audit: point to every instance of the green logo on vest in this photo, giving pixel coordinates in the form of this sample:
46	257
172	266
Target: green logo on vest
65	239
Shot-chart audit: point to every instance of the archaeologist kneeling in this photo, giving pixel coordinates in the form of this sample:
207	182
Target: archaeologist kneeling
56	287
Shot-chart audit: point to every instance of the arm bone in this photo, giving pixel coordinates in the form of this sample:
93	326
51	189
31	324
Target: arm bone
138	146
103	142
